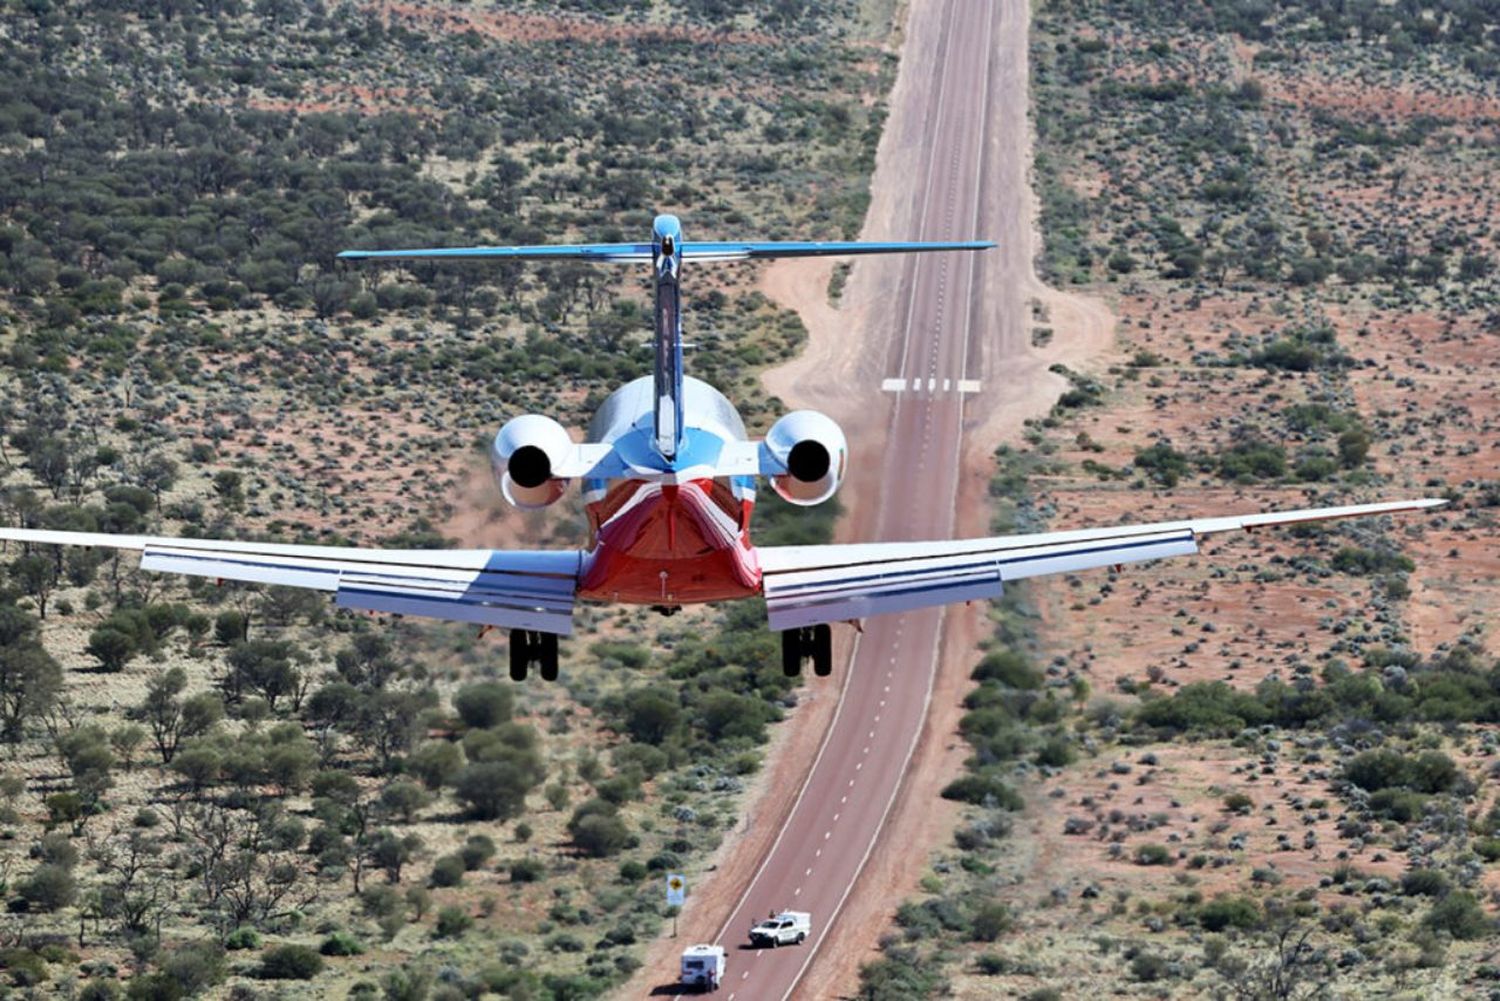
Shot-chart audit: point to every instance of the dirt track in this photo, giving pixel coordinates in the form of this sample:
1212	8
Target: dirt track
851	836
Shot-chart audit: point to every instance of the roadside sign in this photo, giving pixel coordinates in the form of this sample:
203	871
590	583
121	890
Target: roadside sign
676	889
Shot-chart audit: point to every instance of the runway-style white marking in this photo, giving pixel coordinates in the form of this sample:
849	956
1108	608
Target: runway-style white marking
893	385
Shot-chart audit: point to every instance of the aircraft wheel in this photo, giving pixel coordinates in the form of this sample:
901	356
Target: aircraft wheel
546	652
791	652
520	655
822	650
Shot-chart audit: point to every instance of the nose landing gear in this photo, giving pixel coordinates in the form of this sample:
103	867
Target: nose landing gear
808	642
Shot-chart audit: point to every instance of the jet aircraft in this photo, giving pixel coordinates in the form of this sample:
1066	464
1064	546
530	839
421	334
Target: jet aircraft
669	479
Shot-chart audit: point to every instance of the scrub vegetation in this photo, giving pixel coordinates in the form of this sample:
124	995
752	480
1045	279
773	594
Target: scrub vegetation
1269	772
241	792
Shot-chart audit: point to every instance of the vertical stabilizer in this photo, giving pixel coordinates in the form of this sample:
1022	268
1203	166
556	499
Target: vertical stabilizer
666	261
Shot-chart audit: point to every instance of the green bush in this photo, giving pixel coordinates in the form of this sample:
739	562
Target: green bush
24	967
447	871
1008	668
243	937
1229	912
477	850
341	943
453	921
484	705
1153	854
527	870
290	962
990	922
984	788
1460	915
1425	883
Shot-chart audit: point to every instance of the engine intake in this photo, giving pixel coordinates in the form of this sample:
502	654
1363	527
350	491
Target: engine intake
523	457
812	449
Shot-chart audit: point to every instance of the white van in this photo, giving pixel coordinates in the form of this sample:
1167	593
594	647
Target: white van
702	967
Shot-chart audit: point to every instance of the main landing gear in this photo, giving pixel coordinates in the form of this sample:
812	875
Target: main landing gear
529	648
798	645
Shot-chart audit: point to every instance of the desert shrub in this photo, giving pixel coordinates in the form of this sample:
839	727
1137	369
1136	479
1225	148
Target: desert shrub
435	763
1488	849
1056	752
476	851
1425	883
1153	854
341	943
290	962
1148	967
1460	915
1229	912
453	921
1363	562
1163	464
23	967
990	922
484	705
983	788
1378	769
528	870
597	830
1210	706
194	966
50	887
243	937
447	871
1248	461
1238	802
1008	668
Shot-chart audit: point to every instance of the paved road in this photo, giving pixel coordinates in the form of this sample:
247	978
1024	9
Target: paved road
941	317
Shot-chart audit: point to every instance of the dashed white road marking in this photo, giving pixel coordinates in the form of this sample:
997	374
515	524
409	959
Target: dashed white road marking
797	892
807	872
893	385
843	800
968	385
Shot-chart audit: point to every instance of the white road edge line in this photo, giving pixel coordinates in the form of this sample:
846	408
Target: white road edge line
916	736
827	736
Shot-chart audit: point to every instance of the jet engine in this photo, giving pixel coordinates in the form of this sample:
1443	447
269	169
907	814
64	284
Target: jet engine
524	455
812	448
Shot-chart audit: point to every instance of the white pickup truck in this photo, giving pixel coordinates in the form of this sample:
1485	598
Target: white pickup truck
702	967
780	929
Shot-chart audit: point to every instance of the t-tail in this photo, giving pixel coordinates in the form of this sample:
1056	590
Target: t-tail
666	253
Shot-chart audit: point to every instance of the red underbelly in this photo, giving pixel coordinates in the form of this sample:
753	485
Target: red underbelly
675	546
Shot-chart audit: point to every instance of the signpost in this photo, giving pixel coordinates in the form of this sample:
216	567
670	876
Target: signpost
676	894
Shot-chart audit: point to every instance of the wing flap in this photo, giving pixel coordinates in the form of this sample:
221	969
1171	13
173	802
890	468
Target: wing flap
863	580
503	601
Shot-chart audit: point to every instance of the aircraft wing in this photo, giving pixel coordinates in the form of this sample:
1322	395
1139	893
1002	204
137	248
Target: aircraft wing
806	585
511	590
699	250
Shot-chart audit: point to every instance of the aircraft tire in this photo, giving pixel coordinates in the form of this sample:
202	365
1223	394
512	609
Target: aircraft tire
791	652
546	652
520	654
822	649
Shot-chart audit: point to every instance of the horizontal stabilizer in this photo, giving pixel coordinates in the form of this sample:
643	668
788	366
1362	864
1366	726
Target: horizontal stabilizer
756	250
603	252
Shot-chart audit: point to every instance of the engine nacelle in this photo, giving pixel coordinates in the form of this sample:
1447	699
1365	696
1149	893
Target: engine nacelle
523	457
812	448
